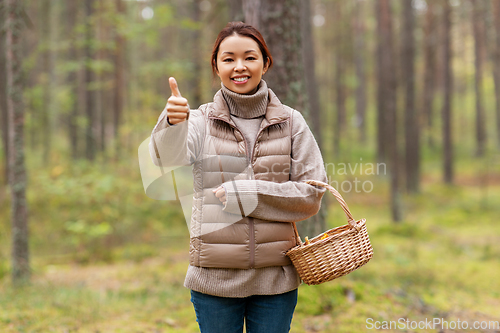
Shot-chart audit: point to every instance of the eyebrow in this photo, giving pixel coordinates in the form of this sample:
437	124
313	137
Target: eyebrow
233	52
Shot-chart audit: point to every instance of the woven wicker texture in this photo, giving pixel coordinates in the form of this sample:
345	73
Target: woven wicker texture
346	248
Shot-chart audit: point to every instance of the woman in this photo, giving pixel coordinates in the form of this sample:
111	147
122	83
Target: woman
250	156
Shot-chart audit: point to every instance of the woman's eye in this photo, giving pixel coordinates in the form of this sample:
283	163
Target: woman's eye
227	60
250	58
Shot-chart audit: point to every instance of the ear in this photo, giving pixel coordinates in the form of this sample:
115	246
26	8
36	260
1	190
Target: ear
214	62
266	67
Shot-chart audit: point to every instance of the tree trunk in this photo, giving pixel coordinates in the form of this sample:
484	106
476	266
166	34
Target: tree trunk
195	37
278	22
310	71
251	9
496	64
448	90
381	89
318	221
89	79
430	46
3	97
389	111
46	78
236	10
100	92
119	84
359	62
98	77
412	126
340	63
17	176
478	29
72	79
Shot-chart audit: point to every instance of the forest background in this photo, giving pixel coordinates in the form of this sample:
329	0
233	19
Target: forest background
410	86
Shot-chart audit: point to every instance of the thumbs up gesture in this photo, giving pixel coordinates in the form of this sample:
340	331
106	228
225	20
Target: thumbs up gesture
177	106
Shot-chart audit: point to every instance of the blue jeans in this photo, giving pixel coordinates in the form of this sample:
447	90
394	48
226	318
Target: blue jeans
261	313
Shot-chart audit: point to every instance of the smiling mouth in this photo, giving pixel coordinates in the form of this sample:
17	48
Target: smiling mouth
241	79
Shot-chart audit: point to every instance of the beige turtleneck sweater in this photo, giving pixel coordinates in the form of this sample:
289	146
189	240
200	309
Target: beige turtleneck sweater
247	112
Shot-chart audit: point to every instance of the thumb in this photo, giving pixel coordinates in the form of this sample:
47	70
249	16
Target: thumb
174	87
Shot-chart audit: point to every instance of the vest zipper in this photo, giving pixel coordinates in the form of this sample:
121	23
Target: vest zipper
259	134
251	226
251	222
252	241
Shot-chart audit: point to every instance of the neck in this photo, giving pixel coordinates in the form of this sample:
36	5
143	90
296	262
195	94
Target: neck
247	106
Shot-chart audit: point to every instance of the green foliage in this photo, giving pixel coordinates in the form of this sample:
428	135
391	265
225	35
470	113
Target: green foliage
136	252
163	67
106	257
101	66
4	267
438	263
65	99
34	97
149	31
87	211
189	24
86	237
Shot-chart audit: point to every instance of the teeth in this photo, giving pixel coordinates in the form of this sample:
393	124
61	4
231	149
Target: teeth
240	79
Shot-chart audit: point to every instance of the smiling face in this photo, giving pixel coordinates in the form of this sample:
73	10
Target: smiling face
240	64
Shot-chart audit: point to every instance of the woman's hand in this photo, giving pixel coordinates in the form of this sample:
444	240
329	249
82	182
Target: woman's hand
177	106
220	193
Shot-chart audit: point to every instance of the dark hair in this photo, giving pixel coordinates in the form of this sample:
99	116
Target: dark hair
245	30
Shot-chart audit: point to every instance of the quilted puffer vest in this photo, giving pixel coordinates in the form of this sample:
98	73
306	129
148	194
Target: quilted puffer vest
224	240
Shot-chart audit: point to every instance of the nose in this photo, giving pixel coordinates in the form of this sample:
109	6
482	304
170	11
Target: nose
240	66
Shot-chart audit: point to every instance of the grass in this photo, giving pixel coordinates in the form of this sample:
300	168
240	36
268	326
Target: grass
121	297
440	262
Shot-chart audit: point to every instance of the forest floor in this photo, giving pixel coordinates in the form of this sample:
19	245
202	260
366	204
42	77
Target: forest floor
439	265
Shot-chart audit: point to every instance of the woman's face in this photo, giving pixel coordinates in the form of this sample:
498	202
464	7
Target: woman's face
240	64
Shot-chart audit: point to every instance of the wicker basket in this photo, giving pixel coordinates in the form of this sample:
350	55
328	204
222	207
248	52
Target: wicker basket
345	249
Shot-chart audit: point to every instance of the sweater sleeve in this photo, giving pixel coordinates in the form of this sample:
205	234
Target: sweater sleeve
177	145
291	201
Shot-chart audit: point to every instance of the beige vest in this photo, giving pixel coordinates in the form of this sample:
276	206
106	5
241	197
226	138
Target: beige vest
223	240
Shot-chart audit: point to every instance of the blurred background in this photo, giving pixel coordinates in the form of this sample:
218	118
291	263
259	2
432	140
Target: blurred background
402	96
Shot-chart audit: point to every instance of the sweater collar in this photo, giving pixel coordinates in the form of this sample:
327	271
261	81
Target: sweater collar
275	111
247	106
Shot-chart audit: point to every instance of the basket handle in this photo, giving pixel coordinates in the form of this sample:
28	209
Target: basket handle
336	194
343	204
